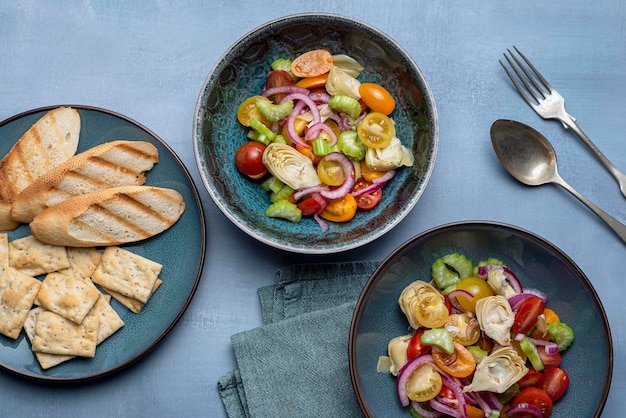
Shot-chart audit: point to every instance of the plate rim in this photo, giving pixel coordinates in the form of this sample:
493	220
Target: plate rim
198	275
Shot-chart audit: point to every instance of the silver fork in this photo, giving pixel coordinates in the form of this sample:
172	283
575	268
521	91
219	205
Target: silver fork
549	104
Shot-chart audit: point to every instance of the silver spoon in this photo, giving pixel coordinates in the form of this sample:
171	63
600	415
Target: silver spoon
529	157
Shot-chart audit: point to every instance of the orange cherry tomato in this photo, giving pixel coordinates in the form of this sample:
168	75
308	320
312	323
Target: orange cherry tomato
312	63
473	412
248	110
340	210
377	98
551	316
308	152
369	175
461	363
313	82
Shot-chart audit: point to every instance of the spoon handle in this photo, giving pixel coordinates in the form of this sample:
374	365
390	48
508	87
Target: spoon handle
617	226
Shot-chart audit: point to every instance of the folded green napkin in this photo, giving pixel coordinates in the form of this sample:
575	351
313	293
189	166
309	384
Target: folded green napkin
296	365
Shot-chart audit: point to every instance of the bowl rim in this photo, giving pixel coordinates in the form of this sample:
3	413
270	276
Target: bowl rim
429	101
457	225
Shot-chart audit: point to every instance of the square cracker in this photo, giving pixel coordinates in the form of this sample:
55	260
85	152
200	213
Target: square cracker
57	335
4	250
132	304
33	257
110	321
83	261
126	273
45	360
17	294
70	297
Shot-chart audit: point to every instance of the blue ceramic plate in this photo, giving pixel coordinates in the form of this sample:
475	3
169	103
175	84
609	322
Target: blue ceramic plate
179	249
241	73
536	262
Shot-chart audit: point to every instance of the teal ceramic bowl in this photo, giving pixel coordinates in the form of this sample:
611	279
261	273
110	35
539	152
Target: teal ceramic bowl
241	72
536	262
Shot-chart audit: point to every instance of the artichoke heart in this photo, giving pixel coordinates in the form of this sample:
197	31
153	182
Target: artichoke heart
498	371
290	166
340	82
397	353
498	282
496	318
390	157
423	305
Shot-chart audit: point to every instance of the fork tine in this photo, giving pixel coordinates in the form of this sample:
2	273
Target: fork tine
537	88
532	67
519	88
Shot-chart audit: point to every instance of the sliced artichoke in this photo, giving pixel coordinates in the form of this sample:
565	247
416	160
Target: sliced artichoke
348	64
397	353
290	166
496	318
498	371
340	82
423	305
390	157
498	282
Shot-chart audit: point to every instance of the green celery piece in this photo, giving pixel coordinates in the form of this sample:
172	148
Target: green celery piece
282	64
262	129
274	112
488	262
478	353
321	147
450	269
284	209
272	184
283	193
439	337
346	104
349	143
530	349
562	334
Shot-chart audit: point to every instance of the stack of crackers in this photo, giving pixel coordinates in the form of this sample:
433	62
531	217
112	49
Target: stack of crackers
61	296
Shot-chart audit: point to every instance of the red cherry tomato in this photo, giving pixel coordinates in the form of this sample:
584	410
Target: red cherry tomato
554	382
415	347
366	201
377	98
549	360
310	206
530	379
536	397
527	313
249	159
278	78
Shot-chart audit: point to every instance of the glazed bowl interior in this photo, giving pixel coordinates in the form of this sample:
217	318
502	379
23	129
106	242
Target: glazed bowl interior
536	262
241	72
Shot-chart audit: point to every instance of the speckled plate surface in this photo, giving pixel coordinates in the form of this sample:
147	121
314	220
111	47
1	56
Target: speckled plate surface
241	72
179	249
536	262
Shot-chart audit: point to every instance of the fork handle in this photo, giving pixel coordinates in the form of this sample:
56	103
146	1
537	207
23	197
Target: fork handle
570	122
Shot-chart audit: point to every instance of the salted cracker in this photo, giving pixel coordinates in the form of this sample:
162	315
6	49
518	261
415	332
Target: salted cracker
132	304
33	257
17	294
45	360
57	335
110	321
83	261
126	273
4	250
70	297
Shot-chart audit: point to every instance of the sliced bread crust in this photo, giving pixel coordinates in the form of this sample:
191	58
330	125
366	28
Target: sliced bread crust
112	164
49	142
112	216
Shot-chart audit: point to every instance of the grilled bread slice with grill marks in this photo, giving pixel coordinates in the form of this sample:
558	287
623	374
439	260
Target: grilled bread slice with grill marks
112	164
112	216
49	142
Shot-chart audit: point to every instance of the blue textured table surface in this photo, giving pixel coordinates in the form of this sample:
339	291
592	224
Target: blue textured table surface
147	60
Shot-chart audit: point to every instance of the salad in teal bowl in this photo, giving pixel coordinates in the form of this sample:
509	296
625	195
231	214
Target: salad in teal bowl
315	133
480	319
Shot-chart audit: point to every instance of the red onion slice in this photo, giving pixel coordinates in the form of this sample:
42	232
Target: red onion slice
424	412
523	410
321	126
348	168
369	189
385	177
284	89
308	102
483	271
549	346
405	373
456	293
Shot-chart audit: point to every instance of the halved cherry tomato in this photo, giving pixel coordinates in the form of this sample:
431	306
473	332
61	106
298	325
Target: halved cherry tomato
554	382
376	130
415	347
461	363
530	379
377	98
313	82
248	110
310	206
473	412
550	360
527	313
278	78
330	172
536	397
551	316
308	152
366	201
249	159
340	210
369	175
477	287
312	63
429	309
424	384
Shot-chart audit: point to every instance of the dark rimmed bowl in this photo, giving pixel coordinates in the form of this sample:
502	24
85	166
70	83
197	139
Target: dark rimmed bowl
536	262
241	72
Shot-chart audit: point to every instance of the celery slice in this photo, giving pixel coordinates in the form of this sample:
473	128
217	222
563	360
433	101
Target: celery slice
284	209
346	104
349	143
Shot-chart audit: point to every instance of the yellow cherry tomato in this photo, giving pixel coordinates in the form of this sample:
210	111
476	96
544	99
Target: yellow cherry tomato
340	210
377	98
551	316
330	172
424	384
376	130
369	175
477	287
248	110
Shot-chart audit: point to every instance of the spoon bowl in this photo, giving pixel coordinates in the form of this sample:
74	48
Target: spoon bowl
530	158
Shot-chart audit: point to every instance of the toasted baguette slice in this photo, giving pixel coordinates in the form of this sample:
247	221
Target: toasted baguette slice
49	142
112	164
112	216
